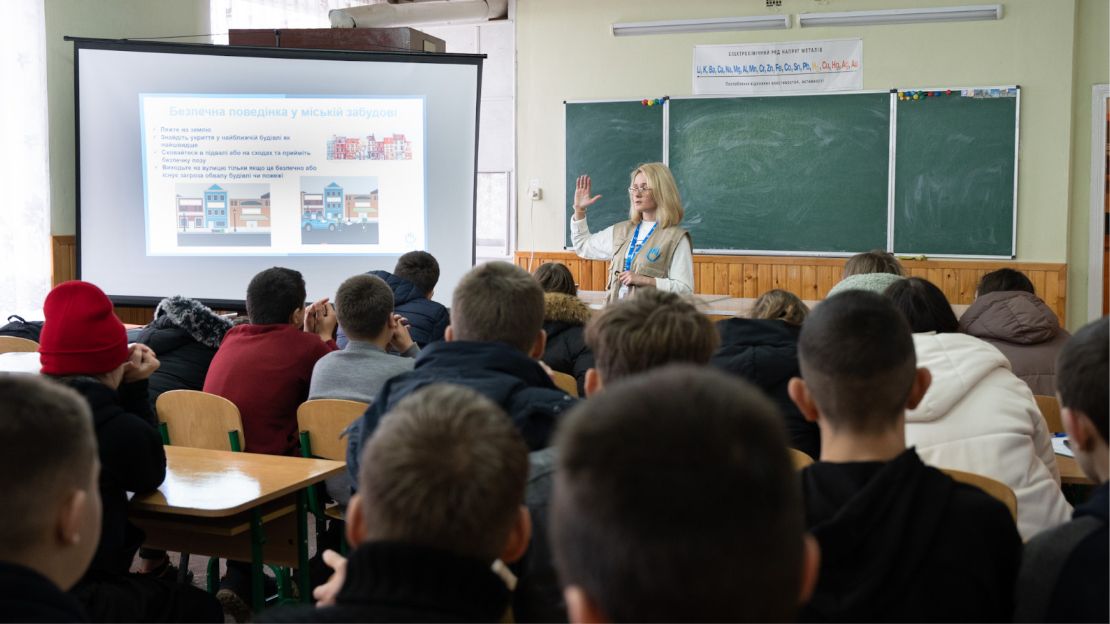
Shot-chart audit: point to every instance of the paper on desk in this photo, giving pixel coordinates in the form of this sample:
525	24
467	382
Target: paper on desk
1060	446
130	495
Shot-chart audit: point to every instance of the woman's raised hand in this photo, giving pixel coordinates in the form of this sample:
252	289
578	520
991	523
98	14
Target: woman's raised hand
582	199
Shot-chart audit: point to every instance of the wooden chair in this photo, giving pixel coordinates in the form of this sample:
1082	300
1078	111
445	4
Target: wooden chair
200	420
12	344
800	459
1050	409
565	382
995	489
321	423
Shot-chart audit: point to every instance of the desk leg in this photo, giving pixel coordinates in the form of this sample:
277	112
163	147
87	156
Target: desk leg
303	579
258	600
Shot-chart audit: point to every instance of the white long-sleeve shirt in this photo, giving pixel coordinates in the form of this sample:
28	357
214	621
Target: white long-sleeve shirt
599	246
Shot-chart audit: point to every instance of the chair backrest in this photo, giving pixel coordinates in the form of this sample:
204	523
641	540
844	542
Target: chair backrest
800	459
1050	409
13	344
323	421
199	419
995	489
565	382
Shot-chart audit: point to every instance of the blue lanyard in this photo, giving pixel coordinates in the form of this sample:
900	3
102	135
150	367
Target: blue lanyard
633	247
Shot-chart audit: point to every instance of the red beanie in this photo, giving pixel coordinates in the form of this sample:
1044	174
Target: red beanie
81	335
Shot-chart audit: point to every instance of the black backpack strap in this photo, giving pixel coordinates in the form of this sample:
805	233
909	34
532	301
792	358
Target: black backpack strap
1042	560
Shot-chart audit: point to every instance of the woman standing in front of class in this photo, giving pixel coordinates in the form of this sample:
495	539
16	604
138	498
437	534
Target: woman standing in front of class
647	250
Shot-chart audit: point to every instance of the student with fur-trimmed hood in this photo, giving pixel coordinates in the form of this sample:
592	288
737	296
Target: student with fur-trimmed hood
185	335
564	320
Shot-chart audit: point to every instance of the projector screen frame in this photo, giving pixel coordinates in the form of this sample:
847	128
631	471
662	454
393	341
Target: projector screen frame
131	45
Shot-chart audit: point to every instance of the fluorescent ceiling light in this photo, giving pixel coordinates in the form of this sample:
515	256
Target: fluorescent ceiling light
902	16
713	24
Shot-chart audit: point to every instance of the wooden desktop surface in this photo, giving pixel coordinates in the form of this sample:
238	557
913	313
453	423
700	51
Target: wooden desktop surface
207	483
1070	472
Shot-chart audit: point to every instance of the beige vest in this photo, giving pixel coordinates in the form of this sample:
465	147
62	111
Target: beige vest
654	259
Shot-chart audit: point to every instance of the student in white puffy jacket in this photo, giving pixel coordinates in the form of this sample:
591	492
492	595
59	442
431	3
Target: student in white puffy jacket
977	416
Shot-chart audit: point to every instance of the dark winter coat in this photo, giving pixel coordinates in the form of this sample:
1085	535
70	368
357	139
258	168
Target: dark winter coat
428	320
184	335
131	460
395	582
902	542
1062	584
1024	329
27	596
564	320
765	352
502	373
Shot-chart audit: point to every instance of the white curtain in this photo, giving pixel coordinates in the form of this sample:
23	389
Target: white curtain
24	160
274	13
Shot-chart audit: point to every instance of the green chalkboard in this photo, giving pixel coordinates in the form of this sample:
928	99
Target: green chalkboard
954	176
606	140
795	174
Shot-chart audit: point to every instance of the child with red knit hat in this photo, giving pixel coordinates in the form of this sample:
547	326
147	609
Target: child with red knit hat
84	345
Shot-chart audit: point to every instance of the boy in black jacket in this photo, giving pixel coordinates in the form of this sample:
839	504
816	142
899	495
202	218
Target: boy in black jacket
51	519
900	541
438	514
413	282
1065	572
84	345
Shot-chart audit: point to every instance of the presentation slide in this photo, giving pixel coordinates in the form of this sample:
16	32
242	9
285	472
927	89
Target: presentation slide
199	166
257	174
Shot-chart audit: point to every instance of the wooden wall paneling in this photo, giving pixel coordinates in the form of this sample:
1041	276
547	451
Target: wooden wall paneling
751	281
735	278
794	278
64	259
827	277
762	279
720	282
809	283
1037	277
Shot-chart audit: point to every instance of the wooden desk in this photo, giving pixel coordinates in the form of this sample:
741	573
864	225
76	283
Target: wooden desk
1070	472
225	504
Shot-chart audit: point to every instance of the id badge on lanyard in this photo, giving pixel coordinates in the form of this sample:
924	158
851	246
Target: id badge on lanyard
633	250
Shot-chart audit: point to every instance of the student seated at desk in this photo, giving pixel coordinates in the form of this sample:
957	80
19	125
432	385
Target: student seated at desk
84	346
1009	315
51	517
628	338
676	501
1065	572
872	271
438	514
491	346
264	368
564	320
900	541
764	350
413	282
977	416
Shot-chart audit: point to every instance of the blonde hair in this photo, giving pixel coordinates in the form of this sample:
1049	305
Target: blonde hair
780	305
664	191
874	261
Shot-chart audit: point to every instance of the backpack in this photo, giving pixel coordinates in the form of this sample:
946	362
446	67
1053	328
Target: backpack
20	328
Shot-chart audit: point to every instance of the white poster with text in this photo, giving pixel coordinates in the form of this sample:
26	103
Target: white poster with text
796	66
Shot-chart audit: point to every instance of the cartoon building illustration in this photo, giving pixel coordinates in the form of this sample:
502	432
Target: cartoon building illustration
361	206
392	147
333	202
190	213
250	214
215	208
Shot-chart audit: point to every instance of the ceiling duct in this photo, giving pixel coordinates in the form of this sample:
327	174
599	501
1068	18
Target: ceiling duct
388	15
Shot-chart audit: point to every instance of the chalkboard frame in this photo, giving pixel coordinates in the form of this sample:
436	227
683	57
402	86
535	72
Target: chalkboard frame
1017	157
891	166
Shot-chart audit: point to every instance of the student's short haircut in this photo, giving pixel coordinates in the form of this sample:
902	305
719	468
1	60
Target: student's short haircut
874	261
420	268
675	500
363	305
924	305
555	277
781	305
1004	279
498	302
1082	371
445	468
47	449
857	357
273	295
648	330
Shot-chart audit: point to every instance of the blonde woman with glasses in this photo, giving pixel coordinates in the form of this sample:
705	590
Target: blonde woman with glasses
650	249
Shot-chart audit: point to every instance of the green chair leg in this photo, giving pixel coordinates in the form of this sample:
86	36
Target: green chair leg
233	439
213	583
165	431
